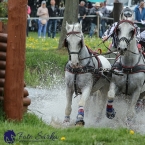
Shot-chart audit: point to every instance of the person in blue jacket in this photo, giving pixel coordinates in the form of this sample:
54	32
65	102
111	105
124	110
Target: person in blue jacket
140	12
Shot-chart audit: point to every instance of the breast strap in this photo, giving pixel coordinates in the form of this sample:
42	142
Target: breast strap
130	70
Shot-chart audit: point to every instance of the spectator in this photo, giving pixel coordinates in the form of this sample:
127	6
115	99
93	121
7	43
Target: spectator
42	12
52	25
105	2
140	12
94	11
105	13
82	11
28	20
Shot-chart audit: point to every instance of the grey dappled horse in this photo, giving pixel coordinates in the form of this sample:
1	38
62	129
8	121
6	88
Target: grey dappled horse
83	73
131	67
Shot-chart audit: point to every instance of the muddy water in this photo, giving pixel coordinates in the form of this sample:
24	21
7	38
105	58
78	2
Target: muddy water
50	103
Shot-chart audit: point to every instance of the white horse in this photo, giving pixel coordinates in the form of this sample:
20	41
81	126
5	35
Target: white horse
83	73
131	65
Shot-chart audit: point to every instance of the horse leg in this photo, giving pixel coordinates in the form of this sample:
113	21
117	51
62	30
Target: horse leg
80	116
110	112
102	101
68	109
140	102
131	107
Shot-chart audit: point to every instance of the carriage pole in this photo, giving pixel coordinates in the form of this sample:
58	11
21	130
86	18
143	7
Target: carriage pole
15	59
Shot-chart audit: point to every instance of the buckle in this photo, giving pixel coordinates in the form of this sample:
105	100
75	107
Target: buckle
129	70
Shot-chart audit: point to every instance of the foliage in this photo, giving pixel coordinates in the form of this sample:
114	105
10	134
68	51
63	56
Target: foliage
3	9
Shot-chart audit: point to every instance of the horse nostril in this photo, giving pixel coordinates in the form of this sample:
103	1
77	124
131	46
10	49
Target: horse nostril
74	64
118	48
125	49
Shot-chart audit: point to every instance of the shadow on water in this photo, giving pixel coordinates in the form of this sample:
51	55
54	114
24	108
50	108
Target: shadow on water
50	103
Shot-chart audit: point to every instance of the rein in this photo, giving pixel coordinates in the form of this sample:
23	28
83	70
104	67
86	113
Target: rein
97	54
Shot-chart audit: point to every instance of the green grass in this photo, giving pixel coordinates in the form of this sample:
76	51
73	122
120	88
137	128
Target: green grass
32	125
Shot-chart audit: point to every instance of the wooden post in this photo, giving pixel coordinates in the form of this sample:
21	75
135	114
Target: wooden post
15	59
116	11
0	26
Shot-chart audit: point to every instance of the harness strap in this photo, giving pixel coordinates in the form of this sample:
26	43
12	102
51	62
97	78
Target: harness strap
86	69
130	70
75	86
126	92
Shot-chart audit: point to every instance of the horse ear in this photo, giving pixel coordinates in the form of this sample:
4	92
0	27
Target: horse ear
67	26
121	17
80	25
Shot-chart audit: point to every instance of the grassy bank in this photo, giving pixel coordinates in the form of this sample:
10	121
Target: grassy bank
45	63
33	131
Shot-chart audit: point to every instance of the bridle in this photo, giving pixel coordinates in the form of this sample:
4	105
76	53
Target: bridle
66	42
124	38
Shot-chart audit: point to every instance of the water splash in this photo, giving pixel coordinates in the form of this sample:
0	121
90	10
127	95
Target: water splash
49	104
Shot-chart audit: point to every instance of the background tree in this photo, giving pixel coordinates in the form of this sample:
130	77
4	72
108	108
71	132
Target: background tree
70	15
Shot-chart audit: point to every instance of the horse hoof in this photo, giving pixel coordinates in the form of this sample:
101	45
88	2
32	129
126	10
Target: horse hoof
139	105
111	114
80	123
66	121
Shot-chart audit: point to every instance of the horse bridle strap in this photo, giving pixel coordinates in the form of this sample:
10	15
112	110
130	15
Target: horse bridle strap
124	38
66	45
128	21
73	32
130	70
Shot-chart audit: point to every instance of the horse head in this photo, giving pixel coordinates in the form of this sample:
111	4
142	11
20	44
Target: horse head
74	43
125	33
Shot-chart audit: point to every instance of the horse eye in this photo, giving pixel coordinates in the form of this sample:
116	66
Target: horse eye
132	32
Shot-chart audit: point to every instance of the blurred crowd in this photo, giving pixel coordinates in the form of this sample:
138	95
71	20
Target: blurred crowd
89	24
45	25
